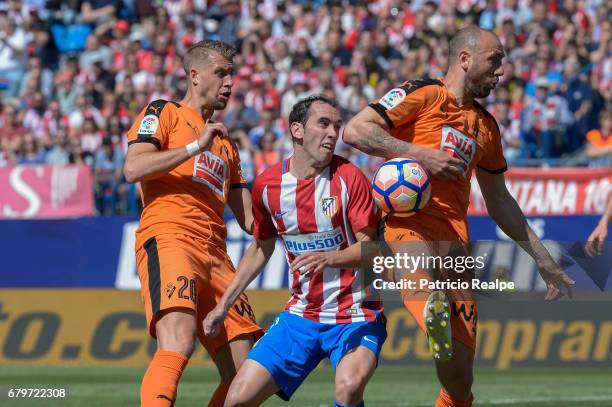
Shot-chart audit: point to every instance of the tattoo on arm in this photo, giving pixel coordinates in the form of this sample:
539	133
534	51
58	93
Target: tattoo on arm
380	143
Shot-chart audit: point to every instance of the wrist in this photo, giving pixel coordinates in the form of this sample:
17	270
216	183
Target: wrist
333	258
193	148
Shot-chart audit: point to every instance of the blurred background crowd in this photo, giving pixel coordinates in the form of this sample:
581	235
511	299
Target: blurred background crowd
73	74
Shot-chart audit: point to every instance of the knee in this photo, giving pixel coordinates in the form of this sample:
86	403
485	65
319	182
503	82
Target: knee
177	343
237	396
349	388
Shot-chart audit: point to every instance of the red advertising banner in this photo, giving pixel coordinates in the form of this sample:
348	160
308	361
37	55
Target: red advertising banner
553	191
40	191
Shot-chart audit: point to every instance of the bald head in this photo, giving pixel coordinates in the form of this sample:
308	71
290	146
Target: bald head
468	38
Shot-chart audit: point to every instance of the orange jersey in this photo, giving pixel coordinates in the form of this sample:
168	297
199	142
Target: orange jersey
190	199
425	113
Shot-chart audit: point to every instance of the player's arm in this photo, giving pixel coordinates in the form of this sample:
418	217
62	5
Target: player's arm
505	211
239	200
595	243
351	257
253	261
145	159
369	132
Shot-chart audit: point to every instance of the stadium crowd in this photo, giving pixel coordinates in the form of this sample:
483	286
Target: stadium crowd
74	74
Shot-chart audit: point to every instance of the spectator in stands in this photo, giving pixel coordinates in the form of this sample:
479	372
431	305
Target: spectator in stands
108	174
29	151
240	117
579	96
267	124
246	153
509	130
59	152
13	41
545	119
267	155
599	142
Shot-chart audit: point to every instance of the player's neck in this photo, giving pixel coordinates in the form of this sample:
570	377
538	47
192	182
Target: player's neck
302	166
196	104
455	83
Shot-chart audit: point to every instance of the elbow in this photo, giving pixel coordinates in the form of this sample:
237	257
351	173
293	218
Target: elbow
130	174
350	134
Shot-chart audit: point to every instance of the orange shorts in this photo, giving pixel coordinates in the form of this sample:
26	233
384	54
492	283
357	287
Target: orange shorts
435	236
179	271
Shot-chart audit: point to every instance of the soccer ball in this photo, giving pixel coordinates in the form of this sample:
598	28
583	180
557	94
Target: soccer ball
401	187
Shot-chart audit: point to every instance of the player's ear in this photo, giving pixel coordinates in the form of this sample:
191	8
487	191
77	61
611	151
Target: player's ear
464	59
297	131
194	76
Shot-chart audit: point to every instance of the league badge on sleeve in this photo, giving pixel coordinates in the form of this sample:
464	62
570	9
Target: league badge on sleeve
149	124
393	98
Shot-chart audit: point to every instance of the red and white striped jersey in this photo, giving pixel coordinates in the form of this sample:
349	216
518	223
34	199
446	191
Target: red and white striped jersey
318	214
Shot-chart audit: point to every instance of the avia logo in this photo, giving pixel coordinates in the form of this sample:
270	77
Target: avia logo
211	170
458	144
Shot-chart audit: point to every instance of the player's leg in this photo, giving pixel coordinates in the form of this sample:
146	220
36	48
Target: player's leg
456	377
279	363
456	374
352	375
163	268
229	359
240	330
252	386
353	350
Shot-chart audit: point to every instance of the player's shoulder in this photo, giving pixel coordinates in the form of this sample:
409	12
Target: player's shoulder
425	86
414	84
489	119
156	107
270	175
344	167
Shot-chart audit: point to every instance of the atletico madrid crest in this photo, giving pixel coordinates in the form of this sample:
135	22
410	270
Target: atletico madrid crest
329	206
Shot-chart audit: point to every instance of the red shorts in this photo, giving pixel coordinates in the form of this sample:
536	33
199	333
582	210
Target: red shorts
435	236
179	271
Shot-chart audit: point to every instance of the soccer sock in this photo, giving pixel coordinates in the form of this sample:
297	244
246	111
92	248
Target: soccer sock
159	383
362	404
446	400
218	398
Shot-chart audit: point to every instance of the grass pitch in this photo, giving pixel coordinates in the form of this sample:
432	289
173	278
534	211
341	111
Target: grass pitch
390	387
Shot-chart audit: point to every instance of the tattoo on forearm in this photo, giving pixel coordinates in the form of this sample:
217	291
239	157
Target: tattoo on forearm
379	143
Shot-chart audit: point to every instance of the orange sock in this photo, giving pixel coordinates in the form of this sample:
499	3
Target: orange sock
218	398
159	383
446	400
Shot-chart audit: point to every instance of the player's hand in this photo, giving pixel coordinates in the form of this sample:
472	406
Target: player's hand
595	244
313	262
207	135
213	321
555	279
442	165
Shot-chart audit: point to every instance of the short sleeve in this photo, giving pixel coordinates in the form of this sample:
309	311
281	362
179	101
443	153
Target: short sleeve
263	227
360	207
153	125
493	160
402	105
236	178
